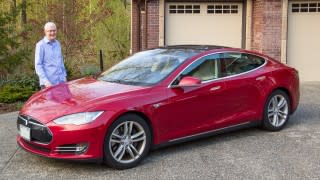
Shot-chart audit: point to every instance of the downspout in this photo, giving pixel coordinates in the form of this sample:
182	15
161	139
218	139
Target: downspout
139	24
146	22
143	27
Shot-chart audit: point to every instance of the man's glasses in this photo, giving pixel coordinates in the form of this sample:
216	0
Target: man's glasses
51	30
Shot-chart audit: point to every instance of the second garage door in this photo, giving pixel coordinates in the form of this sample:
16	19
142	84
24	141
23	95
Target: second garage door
204	23
304	39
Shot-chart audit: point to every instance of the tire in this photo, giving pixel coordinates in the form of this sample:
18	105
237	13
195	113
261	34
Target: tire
125	148
276	117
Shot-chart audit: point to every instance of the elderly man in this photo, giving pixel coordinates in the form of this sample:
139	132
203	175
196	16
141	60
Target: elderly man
49	63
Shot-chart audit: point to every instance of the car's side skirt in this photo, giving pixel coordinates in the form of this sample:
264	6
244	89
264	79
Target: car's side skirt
208	133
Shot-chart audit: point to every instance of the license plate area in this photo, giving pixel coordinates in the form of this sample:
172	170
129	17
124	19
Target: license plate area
25	132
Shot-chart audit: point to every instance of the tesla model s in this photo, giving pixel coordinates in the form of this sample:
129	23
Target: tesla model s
155	98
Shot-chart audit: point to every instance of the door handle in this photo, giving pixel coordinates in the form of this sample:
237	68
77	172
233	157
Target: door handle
215	88
260	78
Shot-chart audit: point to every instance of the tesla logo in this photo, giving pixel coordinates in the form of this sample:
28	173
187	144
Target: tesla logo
27	121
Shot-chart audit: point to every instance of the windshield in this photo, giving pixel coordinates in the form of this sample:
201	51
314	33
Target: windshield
147	67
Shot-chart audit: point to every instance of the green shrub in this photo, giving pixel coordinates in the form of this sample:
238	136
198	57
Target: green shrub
14	93
19	105
89	70
18	88
29	81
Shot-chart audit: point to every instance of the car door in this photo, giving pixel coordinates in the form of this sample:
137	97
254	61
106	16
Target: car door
243	86
191	110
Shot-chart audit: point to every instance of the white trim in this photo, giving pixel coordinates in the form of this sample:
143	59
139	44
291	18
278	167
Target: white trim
131	29
248	22
161	22
284	32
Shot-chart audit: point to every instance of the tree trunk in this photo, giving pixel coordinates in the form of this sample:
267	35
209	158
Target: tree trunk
13	6
24	19
23	12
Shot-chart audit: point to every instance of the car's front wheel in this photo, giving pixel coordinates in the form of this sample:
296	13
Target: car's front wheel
127	142
276	111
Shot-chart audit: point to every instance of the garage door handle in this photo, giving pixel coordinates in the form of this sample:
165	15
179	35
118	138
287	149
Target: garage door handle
261	78
215	88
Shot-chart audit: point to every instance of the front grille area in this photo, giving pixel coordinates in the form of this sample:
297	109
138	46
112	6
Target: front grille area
43	149
38	131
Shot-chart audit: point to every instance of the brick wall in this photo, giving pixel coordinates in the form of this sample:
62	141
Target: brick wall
272	29
257	25
135	27
151	38
153	23
266	27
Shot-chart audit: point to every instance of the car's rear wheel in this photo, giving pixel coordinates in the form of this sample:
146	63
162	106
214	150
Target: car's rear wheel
276	111
127	142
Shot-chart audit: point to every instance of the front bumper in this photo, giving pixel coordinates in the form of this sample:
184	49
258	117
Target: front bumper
64	137
49	153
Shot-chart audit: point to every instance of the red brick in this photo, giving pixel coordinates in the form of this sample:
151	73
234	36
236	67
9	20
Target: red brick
266	27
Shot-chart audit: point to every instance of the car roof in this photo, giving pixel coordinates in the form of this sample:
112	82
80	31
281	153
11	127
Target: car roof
211	49
195	47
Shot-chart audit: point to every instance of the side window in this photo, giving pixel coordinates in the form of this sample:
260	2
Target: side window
205	69
236	63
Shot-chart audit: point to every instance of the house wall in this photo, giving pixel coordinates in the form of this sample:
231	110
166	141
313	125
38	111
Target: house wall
272	29
144	30
153	23
266	27
265	32
134	27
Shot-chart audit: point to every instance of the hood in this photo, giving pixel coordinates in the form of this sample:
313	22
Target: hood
73	97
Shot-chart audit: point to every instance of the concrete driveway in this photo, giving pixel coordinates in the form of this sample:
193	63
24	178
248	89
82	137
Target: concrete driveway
293	153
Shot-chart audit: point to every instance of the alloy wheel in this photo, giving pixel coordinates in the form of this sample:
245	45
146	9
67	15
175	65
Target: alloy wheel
278	110
127	142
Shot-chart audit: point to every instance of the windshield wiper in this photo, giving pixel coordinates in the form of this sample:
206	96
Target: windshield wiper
121	82
125	82
114	81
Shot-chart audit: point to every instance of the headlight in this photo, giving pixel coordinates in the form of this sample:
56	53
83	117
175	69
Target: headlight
79	118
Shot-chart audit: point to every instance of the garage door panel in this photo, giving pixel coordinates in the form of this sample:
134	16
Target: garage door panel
219	24
304	39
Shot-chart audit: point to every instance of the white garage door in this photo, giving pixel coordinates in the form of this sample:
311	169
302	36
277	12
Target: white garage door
304	39
204	23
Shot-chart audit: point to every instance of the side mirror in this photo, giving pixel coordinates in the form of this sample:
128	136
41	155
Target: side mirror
189	81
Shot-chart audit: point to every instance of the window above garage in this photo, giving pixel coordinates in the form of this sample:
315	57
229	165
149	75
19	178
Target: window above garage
222	9
305	7
184	9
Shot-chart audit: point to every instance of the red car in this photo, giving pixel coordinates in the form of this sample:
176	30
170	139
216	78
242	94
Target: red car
158	97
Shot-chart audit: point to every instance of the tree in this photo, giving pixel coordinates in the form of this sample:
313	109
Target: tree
115	30
84	27
11	54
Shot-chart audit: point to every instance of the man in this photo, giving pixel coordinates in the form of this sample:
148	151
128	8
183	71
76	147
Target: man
48	58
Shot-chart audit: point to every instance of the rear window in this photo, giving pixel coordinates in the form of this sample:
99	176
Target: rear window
237	63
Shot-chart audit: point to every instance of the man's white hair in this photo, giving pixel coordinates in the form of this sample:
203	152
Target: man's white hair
50	25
